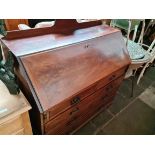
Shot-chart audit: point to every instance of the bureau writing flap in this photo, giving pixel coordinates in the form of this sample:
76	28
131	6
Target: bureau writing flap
61	73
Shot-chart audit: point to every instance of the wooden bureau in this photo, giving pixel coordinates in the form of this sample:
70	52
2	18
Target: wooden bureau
68	72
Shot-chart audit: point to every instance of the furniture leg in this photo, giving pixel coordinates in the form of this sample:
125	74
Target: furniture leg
133	78
132	88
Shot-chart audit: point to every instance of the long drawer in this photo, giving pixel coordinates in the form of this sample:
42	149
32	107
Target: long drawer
71	117
78	98
11	126
89	112
78	120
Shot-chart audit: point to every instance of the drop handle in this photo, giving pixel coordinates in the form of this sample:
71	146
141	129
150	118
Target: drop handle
112	77
74	111
75	100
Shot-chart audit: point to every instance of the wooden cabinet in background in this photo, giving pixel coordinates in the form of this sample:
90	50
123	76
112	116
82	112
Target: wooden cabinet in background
14	116
12	24
71	70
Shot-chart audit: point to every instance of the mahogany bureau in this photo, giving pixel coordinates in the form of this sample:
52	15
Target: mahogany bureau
69	74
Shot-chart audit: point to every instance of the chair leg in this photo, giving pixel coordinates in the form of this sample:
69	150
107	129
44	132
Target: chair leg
142	72
133	79
132	86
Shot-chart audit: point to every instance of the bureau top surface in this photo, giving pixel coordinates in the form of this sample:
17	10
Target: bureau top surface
30	45
61	73
11	105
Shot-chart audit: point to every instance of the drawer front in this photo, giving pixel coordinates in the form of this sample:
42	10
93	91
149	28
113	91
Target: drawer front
56	110
90	111
70	118
111	77
11	126
19	132
77	121
71	102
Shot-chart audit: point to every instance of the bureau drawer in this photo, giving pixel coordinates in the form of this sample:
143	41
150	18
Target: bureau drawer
19	132
68	117
71	102
77	122
56	110
11	126
110	78
89	113
71	116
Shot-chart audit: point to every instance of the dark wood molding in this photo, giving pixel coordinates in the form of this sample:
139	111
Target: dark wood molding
65	26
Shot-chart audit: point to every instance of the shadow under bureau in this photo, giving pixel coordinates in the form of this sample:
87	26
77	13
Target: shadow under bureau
69	74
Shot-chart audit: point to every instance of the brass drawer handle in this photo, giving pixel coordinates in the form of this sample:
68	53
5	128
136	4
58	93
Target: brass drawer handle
112	77
74	111
75	100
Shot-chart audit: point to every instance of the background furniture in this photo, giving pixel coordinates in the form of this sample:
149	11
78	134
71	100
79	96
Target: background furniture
149	34
12	24
2	32
45	23
151	53
140	57
7	75
38	25
140	54
69	72
124	24
14	117
32	22
23	27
